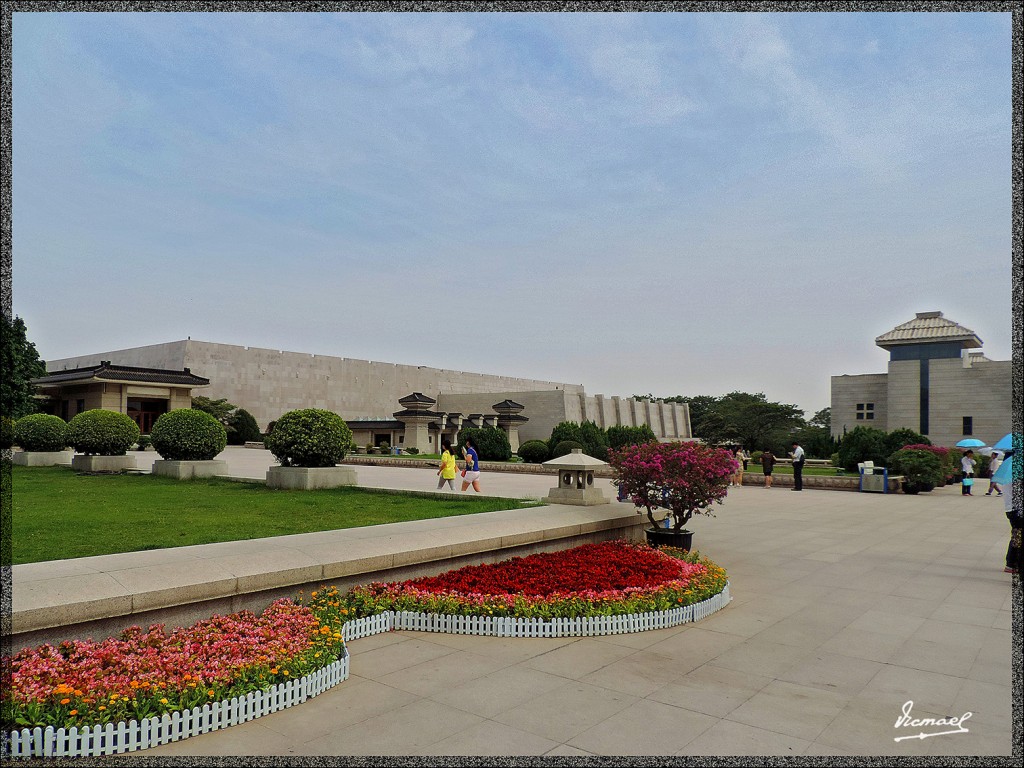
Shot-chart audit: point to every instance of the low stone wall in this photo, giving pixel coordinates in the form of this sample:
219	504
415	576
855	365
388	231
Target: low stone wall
820	482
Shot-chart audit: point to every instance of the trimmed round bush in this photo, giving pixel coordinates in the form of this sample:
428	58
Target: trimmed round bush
565	447
41	432
102	433
533	451
309	437
186	434
491	443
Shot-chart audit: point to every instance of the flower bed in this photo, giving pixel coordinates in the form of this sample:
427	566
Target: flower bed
160	687
606	579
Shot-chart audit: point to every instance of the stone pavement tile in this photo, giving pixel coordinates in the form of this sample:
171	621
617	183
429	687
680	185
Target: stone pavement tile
840	597
565	712
996	647
746	623
822	750
927	587
369	643
638	674
832	672
1003	620
252	738
861	644
499	691
491	738
945	658
564	750
382	661
893	686
644	728
352	701
760	658
519	649
641	640
866	727
802	634
954	633
795	710
978	595
906	606
980	740
442	672
696	646
965	614
991	704
729	738
887	623
578	658
408	730
711	689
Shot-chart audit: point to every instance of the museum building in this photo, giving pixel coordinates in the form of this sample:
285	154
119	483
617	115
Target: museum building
938	383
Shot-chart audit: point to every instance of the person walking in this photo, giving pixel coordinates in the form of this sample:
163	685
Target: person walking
446	474
993	465
471	474
967	467
798	466
741	464
767	465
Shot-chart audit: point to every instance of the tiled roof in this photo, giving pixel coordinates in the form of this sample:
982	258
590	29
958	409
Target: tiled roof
928	327
107	372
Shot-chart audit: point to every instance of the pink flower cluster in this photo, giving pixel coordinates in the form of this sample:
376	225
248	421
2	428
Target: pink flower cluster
683	477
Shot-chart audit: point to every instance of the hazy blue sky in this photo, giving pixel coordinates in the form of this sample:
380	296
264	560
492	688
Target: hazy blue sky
667	203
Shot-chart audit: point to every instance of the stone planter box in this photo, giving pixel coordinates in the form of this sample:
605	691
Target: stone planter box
187	470
42	458
83	463
309	478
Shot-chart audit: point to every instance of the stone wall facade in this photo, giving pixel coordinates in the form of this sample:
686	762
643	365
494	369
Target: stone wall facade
268	383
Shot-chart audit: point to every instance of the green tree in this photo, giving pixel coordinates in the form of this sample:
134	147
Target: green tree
862	444
220	409
20	363
756	423
244	428
822	418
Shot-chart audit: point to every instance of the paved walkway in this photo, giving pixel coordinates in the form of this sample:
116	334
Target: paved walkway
846	607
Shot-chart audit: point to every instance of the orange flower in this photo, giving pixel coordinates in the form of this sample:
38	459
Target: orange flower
65	701
73	712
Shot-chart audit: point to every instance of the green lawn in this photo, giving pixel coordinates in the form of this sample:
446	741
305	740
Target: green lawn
58	514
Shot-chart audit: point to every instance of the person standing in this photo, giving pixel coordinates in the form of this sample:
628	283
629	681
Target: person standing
767	464
741	464
993	465
446	474
471	474
1016	526
967	467
798	466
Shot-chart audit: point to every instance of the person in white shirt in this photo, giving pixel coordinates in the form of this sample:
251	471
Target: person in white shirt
798	466
967	467
993	465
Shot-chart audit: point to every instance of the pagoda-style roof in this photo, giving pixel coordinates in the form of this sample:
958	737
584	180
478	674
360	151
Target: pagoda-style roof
121	374
508	406
416	398
408	412
929	328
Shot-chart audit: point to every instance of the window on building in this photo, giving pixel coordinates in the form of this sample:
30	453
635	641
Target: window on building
80	404
865	411
968	425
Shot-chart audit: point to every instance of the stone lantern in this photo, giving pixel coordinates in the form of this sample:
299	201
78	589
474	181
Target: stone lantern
576	480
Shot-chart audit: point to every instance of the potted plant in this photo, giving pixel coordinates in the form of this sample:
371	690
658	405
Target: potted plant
921	469
684	479
43	439
187	441
309	443
103	437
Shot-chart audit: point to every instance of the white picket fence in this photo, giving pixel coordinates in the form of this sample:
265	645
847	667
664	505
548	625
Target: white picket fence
112	739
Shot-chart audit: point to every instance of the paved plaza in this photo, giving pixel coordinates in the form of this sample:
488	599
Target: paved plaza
846	607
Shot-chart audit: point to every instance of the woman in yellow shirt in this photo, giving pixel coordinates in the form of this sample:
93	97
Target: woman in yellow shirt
446	474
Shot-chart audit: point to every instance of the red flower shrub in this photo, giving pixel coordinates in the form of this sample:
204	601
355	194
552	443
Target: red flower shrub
685	478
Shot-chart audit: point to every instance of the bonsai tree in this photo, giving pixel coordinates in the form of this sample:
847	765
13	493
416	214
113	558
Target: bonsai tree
684	478
309	437
186	434
922	469
41	432
102	433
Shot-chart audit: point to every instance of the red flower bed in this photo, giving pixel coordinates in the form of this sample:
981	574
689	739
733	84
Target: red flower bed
592	567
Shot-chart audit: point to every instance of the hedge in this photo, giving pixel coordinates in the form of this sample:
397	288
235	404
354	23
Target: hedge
309	437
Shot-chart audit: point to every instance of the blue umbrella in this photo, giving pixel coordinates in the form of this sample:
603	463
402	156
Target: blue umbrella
970	442
1004	475
1006	443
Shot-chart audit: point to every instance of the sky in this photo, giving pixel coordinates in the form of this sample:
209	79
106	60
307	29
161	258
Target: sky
664	203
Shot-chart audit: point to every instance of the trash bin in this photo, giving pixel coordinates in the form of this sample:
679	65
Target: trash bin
873	479
396	451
